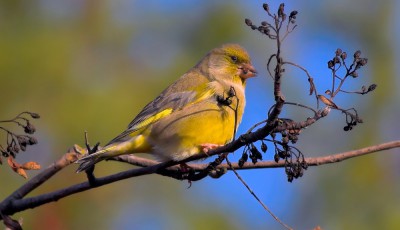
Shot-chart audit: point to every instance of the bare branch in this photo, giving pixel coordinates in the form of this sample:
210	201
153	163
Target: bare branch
15	202
311	161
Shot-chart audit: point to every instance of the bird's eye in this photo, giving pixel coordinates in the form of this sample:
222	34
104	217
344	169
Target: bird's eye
234	58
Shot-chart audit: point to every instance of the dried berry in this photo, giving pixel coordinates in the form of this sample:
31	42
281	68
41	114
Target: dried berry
336	60
343	55
32	141
22	140
16	149
372	87
354	74
34	115
293	14
266	7
283	17
248	22
264	147
281	10
362	62
338	52
331	64
29	128
276	157
363	89
254	151
357	54
243	160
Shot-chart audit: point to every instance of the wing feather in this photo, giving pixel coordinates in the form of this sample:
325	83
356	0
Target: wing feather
162	106
191	88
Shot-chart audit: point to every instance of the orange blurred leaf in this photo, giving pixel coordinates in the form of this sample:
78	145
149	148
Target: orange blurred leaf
327	101
22	173
14	165
31	165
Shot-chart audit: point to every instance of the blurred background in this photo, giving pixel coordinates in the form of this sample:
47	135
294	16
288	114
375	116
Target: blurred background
92	65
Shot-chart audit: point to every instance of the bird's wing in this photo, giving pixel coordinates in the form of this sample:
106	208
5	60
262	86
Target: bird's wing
162	106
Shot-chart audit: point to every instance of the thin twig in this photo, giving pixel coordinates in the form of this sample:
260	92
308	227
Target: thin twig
268	64
310	78
255	196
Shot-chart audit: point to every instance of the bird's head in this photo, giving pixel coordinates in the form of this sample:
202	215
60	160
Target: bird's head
230	62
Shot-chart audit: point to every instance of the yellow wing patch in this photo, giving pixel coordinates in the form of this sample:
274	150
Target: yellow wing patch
204	91
153	118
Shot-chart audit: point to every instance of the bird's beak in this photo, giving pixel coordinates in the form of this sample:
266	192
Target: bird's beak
247	71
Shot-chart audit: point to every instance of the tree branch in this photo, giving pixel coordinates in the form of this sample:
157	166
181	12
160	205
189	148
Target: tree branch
16	203
311	161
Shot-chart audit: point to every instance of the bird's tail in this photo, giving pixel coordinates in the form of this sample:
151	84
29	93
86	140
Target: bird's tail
90	160
136	144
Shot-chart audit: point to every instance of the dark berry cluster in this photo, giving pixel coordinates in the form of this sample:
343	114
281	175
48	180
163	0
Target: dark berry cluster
272	29
19	142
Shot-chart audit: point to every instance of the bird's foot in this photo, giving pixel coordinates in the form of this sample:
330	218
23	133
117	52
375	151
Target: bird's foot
185	168
207	147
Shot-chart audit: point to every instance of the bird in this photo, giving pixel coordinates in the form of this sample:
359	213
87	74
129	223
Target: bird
199	111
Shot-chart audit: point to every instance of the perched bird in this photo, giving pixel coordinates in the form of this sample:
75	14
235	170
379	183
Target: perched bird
198	112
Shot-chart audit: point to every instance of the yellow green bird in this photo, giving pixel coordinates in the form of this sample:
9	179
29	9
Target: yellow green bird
198	112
